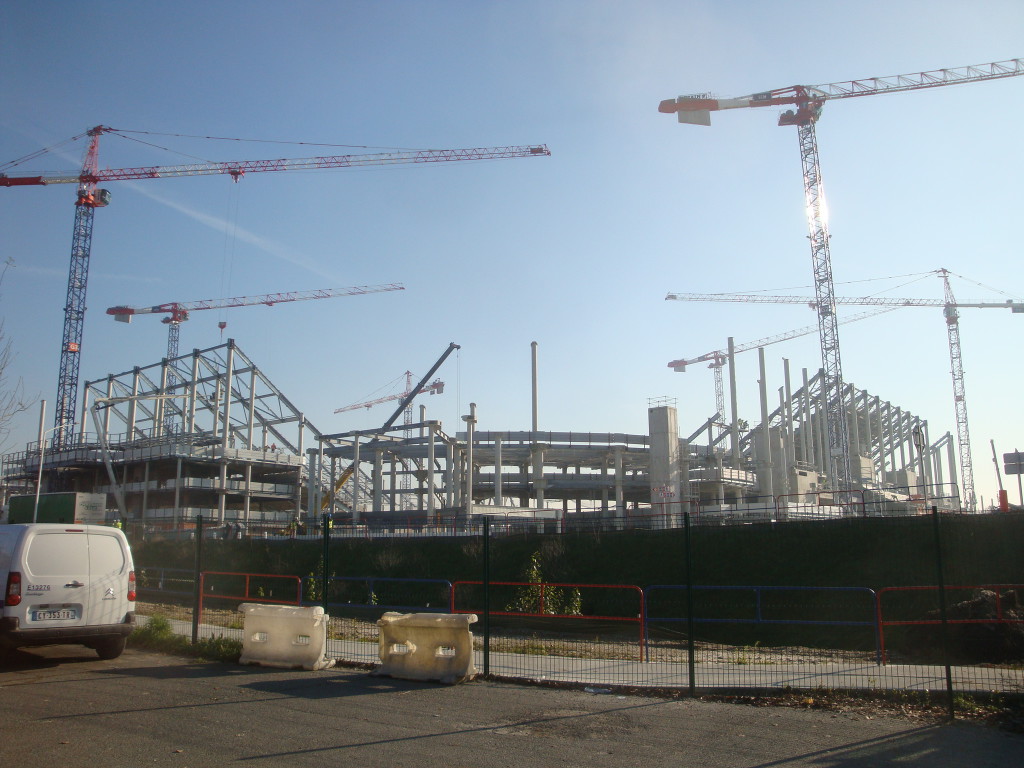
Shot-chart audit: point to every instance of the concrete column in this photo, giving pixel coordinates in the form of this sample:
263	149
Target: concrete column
821	422
620	504
537	474
766	487
604	486
719	486
145	490
247	497
807	443
498	496
734	425
854	421
298	469
951	463
431	449
355	480
470	439
684	476
177	492
448	478
791	443
420	480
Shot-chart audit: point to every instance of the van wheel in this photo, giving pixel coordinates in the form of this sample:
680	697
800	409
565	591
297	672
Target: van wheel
111	648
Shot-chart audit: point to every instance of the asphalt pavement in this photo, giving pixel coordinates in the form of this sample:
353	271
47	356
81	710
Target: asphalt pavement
62	706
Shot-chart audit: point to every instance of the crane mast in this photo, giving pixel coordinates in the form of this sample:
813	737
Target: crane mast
89	198
956	368
808	102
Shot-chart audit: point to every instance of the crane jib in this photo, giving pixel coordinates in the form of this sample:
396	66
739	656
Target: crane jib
240	168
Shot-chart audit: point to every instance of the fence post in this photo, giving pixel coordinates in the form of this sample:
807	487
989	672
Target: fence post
325	577
690	646
940	580
197	576
487	595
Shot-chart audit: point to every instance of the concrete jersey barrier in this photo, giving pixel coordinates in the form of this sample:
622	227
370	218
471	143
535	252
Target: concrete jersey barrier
285	636
427	646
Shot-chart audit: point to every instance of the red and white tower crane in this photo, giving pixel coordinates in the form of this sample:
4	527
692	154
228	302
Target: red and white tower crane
950	307
179	312
436	387
90	197
807	102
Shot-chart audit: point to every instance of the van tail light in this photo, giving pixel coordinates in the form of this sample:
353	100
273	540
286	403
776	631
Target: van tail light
131	586
13	594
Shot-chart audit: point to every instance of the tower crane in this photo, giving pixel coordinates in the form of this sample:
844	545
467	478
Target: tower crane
90	197
950	307
807	102
718	358
436	387
179	312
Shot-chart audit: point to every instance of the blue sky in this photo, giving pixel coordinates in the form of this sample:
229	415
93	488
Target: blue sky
575	251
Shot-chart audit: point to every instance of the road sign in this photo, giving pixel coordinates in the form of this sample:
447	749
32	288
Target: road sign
1013	463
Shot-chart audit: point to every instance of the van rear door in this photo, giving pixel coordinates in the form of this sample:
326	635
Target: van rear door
55	586
109	565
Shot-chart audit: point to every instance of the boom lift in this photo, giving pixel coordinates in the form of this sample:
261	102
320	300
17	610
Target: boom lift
807	102
90	197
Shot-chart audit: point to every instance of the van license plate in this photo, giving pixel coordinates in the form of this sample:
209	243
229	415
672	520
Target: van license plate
63	613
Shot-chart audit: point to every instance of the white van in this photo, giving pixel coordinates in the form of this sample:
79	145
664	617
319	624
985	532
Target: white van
66	584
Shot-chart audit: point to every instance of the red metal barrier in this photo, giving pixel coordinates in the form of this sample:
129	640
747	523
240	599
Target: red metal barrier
639	619
246	593
883	623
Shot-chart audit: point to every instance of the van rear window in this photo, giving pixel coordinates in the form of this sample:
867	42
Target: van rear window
106	557
58	554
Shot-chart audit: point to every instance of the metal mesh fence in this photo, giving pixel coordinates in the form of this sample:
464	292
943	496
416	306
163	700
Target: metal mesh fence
923	602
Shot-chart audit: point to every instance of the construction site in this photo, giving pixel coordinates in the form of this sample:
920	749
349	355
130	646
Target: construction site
225	443
207	433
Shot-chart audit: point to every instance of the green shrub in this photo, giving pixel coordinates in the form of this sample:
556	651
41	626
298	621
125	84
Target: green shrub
158	635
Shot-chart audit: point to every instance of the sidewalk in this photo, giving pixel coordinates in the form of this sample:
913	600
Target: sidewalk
708	676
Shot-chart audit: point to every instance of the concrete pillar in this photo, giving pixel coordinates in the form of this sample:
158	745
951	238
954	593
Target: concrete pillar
766	488
620	504
470	440
431	450
663	467
355	481
537	474
734	425
498	495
